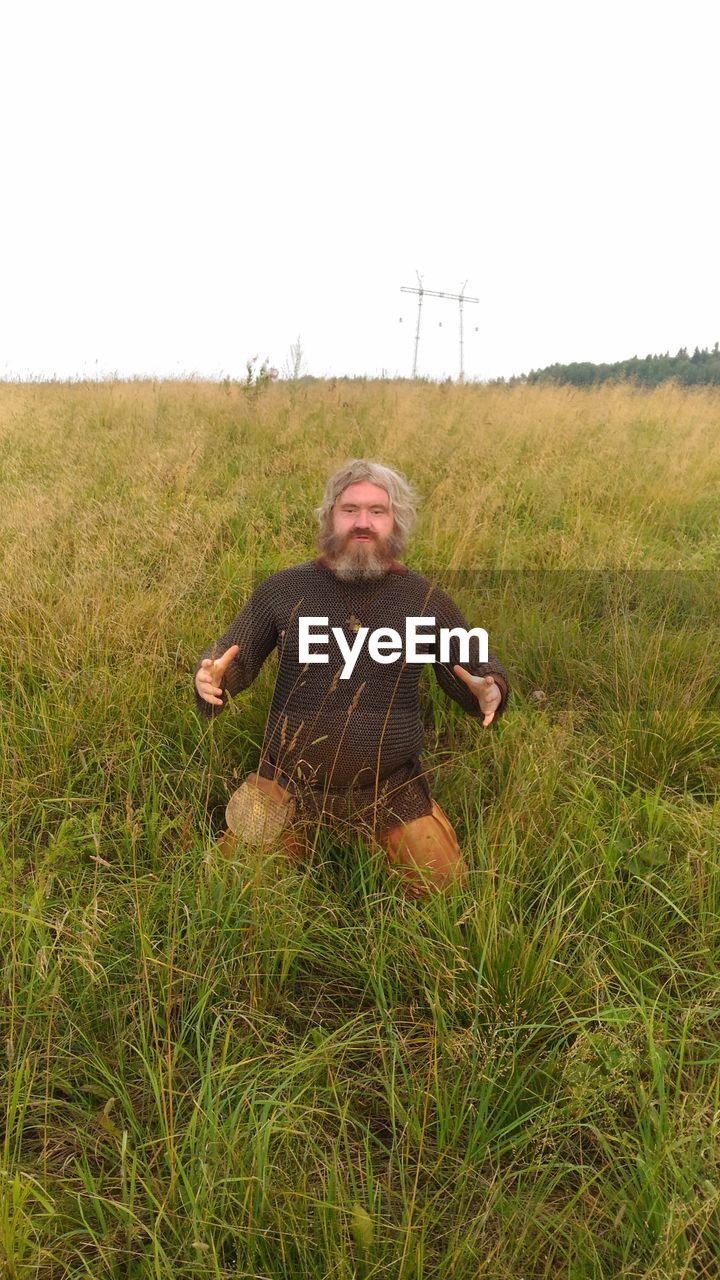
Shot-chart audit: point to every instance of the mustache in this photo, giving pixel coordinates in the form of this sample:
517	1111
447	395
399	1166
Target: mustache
334	545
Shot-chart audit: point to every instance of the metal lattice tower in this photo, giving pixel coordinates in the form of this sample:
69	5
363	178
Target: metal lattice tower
461	298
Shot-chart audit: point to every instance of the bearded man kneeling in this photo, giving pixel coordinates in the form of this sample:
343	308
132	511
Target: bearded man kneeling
347	751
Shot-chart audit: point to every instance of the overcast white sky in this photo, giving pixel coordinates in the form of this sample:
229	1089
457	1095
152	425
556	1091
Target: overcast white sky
187	185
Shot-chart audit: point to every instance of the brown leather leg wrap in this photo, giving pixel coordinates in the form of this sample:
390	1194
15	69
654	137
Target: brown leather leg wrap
288	838
428	844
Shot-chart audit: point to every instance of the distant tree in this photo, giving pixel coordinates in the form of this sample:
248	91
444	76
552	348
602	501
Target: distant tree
701	368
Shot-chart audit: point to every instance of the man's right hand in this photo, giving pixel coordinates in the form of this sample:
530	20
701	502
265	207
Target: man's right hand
209	675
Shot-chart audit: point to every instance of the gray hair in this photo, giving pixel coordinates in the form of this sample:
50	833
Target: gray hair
403	500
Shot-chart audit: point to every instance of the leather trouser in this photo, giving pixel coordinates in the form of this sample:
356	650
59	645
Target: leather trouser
424	851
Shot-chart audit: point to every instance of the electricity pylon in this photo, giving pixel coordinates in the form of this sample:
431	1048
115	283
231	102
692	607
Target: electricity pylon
461	298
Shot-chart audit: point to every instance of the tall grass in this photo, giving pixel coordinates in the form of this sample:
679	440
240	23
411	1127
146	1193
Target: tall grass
226	1069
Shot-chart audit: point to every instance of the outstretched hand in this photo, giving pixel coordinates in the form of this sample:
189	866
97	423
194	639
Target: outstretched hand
486	690
209	675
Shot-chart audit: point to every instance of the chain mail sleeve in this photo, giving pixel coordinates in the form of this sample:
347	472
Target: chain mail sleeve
255	630
448	615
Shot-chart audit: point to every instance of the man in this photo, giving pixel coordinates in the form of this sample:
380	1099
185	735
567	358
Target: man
343	743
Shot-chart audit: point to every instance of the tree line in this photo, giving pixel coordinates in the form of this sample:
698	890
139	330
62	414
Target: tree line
700	368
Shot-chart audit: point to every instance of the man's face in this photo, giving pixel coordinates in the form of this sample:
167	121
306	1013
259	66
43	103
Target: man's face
362	515
362	541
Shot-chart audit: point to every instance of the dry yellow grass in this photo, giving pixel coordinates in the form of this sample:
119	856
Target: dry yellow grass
509	477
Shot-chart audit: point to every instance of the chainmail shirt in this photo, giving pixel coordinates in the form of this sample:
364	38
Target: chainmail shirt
348	749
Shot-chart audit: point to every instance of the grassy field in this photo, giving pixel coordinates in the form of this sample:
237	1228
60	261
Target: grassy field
215	1069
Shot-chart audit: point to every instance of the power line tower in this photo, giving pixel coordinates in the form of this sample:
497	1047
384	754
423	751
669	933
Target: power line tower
461	298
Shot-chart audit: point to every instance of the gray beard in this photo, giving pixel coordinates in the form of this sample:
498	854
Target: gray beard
357	561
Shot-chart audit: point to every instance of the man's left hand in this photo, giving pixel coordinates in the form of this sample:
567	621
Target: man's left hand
486	691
